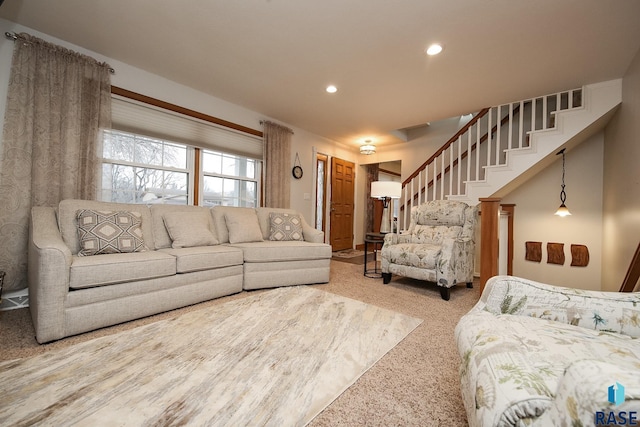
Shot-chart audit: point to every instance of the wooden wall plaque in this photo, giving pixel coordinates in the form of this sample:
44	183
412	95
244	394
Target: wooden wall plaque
533	251
579	256
555	253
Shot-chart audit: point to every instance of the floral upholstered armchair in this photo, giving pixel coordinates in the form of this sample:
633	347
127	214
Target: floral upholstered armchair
438	246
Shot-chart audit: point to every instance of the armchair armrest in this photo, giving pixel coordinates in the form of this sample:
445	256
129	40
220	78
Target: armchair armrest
604	311
48	264
456	262
394	238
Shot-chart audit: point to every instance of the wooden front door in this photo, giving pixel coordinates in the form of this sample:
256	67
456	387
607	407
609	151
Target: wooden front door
342	200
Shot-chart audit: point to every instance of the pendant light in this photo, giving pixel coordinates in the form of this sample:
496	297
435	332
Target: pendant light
562	210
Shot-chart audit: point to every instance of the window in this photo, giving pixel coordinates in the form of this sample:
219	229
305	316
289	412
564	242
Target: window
162	153
229	180
140	169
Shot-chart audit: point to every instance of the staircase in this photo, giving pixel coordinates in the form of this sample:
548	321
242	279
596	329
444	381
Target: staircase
503	146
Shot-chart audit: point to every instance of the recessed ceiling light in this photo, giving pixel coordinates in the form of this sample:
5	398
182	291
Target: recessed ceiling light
332	89
434	49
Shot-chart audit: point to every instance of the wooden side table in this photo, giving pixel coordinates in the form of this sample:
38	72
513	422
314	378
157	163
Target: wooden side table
376	240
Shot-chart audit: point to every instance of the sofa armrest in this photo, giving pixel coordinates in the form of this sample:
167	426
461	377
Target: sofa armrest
582	397
604	311
311	234
49	260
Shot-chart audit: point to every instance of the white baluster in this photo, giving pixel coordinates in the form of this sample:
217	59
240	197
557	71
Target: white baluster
521	124
509	146
442	175
451	169
435	179
489	139
468	155
477	151
533	116
420	186
498	140
459	161
571	99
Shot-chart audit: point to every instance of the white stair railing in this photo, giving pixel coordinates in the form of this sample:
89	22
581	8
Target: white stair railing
482	142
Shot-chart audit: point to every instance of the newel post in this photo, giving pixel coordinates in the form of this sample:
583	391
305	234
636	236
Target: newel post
489	212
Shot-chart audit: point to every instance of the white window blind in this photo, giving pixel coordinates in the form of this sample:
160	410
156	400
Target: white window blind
132	116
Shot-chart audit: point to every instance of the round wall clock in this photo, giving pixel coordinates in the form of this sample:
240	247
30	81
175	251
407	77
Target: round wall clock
297	169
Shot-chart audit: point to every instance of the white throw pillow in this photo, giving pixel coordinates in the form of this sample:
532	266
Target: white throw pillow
189	229
243	226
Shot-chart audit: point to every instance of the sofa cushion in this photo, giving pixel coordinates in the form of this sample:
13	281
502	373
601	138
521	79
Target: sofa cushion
440	212
220	224
109	232
205	257
117	268
68	223
189	229
434	234
285	226
161	234
270	251
243	226
414	255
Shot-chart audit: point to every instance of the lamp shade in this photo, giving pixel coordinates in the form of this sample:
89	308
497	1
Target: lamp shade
382	189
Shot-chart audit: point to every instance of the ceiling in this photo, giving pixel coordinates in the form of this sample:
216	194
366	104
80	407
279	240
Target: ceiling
277	56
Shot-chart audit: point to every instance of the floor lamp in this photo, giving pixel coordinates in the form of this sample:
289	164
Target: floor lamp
385	191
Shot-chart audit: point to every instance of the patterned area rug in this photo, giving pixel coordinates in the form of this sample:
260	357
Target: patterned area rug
278	358
347	253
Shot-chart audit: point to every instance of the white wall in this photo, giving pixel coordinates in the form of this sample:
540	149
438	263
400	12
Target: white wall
622	182
537	200
152	85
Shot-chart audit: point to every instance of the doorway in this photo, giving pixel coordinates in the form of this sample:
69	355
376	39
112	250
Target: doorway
342	204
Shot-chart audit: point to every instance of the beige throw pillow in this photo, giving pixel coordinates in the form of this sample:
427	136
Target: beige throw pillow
285	226
243	226
109	232
189	229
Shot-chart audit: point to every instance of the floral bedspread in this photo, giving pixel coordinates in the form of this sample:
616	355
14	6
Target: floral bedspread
521	338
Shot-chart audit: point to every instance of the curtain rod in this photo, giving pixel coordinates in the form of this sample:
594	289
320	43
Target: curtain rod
14	37
262	122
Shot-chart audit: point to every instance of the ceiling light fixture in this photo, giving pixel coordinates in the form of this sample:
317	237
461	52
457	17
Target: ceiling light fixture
434	49
332	89
367	148
562	210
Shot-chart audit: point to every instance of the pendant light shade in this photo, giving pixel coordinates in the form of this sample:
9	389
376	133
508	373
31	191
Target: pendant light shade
562	210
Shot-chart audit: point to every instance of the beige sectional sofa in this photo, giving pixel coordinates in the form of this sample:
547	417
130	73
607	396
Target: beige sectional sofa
180	255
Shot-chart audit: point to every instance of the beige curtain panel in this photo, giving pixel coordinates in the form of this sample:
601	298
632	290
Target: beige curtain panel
277	165
57	102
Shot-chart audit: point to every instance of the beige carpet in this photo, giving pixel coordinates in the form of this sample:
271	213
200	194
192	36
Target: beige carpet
414	384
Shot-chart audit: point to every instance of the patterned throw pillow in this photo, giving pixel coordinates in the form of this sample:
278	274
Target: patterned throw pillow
109	232
285	226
